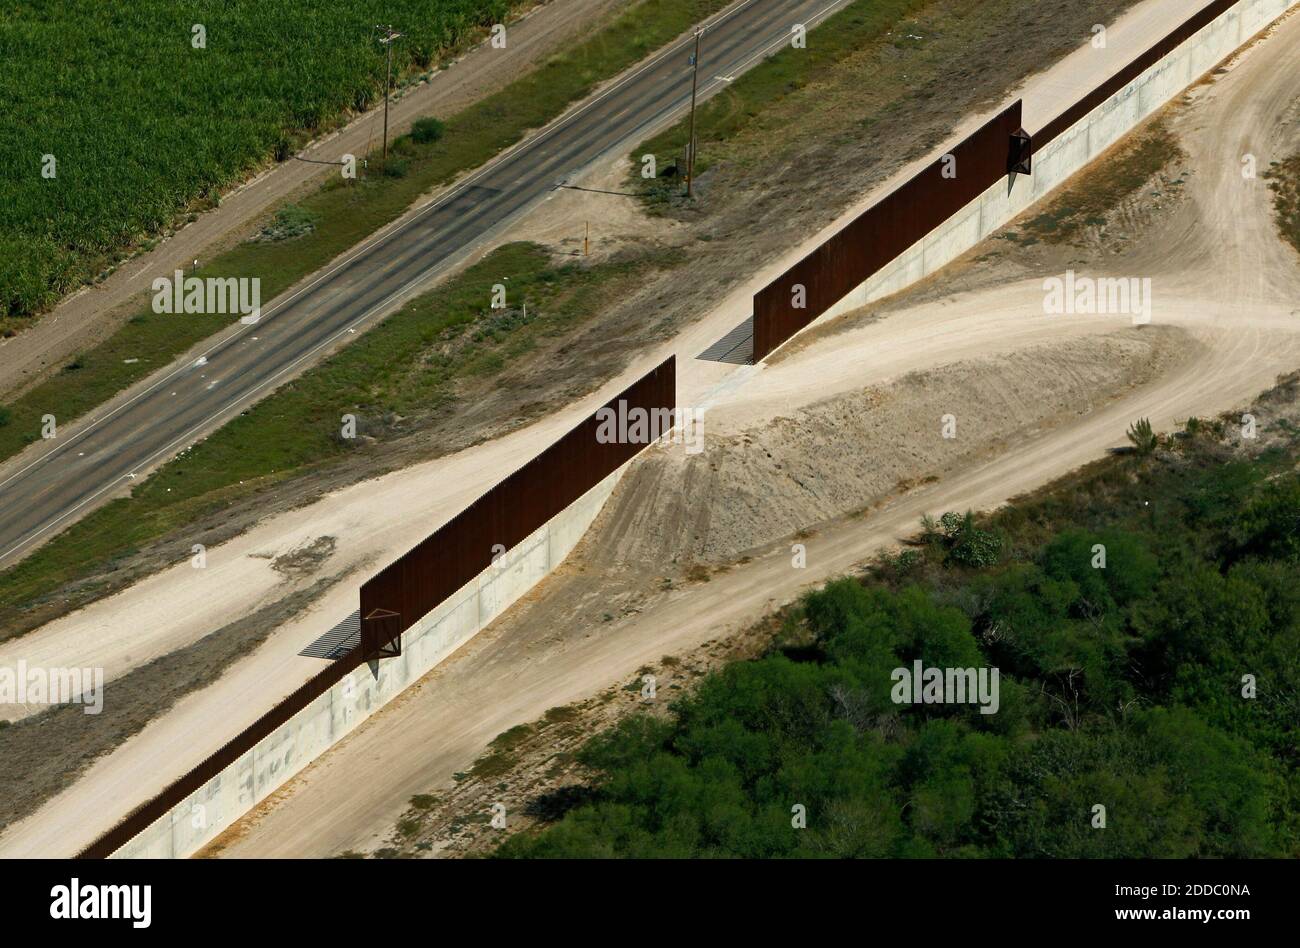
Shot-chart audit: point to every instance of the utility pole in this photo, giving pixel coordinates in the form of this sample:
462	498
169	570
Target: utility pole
390	36
695	82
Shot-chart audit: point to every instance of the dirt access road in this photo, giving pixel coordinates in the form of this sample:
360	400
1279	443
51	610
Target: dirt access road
93	313
384	517
1223	280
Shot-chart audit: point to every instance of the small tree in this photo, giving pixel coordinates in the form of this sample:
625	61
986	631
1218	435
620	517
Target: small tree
967	544
1143	438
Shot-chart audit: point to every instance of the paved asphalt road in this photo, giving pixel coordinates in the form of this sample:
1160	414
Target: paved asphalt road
131	435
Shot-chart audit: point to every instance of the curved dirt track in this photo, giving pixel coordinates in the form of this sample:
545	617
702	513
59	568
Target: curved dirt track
1221	277
505	677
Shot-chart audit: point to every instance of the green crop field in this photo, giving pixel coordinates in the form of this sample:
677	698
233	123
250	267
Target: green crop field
143	126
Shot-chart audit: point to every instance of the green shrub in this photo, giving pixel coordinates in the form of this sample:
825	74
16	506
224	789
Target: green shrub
967	544
1143	438
289	222
427	130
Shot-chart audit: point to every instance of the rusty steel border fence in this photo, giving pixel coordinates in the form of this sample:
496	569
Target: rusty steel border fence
885	230
894	224
397	596
433	570
1141	64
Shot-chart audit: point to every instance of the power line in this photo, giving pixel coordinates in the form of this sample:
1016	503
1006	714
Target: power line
316	161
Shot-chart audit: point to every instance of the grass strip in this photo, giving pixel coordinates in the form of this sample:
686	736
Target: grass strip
742	104
407	367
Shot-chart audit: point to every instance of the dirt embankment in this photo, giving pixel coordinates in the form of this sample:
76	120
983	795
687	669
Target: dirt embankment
677	518
770	481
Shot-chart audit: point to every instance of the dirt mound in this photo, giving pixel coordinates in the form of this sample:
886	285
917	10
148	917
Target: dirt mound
848	453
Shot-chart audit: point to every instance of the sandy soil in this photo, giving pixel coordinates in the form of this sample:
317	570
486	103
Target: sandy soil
1245	333
93	313
776	476
599	209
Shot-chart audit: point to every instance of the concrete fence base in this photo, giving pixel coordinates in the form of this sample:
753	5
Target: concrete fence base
209	811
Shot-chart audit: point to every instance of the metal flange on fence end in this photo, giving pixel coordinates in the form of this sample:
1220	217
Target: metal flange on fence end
381	634
1020	157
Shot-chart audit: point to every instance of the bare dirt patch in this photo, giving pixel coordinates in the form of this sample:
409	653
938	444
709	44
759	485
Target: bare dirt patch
596	217
46	752
1115	200
747	490
305	559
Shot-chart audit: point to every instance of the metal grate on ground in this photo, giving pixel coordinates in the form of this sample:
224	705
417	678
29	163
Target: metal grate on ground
736	347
